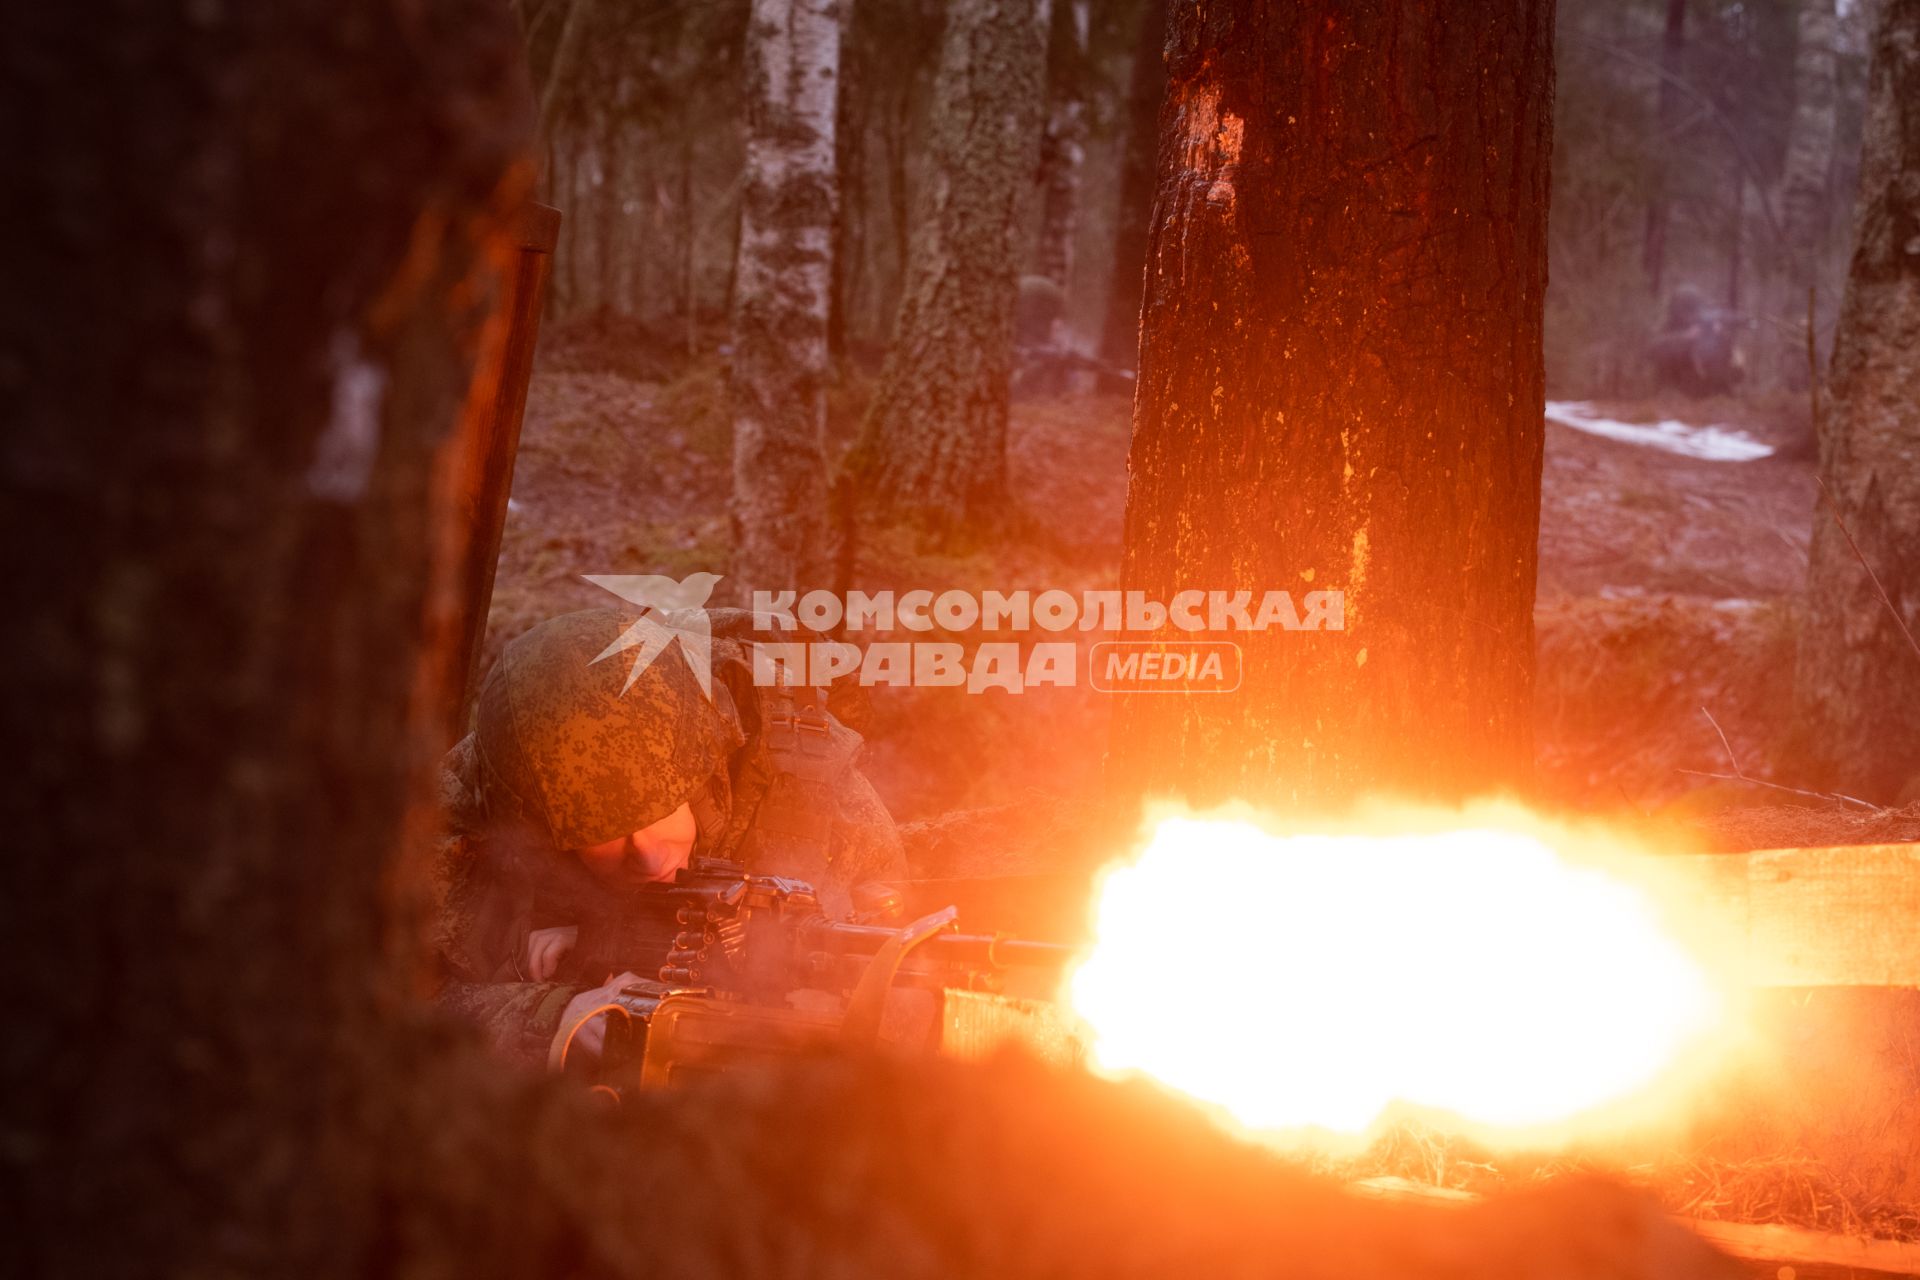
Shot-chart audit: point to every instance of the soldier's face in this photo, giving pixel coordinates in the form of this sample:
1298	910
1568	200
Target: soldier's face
647	856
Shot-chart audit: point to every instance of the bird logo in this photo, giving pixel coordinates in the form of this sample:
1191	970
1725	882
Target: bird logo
671	612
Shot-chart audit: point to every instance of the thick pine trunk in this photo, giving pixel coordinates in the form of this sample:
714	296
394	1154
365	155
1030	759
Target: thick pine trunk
935	446
782	296
1120	340
1341	388
1858	676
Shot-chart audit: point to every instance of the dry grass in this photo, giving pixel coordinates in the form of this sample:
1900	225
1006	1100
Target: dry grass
1795	1190
1620	685
1788	1189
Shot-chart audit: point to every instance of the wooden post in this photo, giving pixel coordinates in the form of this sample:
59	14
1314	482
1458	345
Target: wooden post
496	404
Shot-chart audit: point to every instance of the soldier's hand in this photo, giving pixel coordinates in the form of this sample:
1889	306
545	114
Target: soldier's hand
546	948
589	1029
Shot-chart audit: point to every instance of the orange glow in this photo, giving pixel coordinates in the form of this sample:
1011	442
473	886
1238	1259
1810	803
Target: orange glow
1481	969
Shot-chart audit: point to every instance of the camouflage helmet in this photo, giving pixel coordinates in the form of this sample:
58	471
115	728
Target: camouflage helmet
576	753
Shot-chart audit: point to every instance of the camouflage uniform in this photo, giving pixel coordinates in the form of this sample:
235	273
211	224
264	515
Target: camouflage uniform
562	758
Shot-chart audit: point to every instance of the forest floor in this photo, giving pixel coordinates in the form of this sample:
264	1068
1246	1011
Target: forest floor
1668	592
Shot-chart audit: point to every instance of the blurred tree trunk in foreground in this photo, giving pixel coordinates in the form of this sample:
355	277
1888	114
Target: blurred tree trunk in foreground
782	296
1858	675
1341	389
1120	340
266	240
934	451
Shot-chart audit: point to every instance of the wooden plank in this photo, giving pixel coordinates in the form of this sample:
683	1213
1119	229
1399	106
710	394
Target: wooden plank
1817	917
977	1024
1826	916
1809	1252
1814	917
1780	1251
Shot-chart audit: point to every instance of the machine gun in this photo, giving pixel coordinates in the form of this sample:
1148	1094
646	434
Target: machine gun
740	968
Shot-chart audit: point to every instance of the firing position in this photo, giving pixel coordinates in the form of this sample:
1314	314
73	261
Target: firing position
572	785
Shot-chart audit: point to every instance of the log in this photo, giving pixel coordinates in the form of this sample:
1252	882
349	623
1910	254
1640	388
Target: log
1818	917
1810	1254
1787	1253
1803	917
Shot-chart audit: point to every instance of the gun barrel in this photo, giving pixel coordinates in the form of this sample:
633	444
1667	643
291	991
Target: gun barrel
971	950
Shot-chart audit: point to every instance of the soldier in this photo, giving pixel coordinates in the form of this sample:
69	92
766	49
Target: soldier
571	782
1697	351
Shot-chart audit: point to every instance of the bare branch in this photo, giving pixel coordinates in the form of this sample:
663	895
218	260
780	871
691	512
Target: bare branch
1740	775
1833	509
1774	786
1712	109
1731	758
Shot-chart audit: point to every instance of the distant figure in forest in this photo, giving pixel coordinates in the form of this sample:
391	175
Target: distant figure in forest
573	784
1697	350
1045	358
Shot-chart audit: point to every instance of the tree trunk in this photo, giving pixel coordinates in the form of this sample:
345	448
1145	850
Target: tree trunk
1341	389
1063	144
899	203
1858	674
850	117
1120	342
560	71
1805	178
1653	247
607	211
934	452
784	281
689	244
1736	238
563	184
255	308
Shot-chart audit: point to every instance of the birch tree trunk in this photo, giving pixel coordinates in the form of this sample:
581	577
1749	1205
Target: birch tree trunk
1341	388
1858	675
934	452
783	295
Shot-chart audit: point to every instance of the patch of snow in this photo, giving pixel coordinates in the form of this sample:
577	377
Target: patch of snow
1714	443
